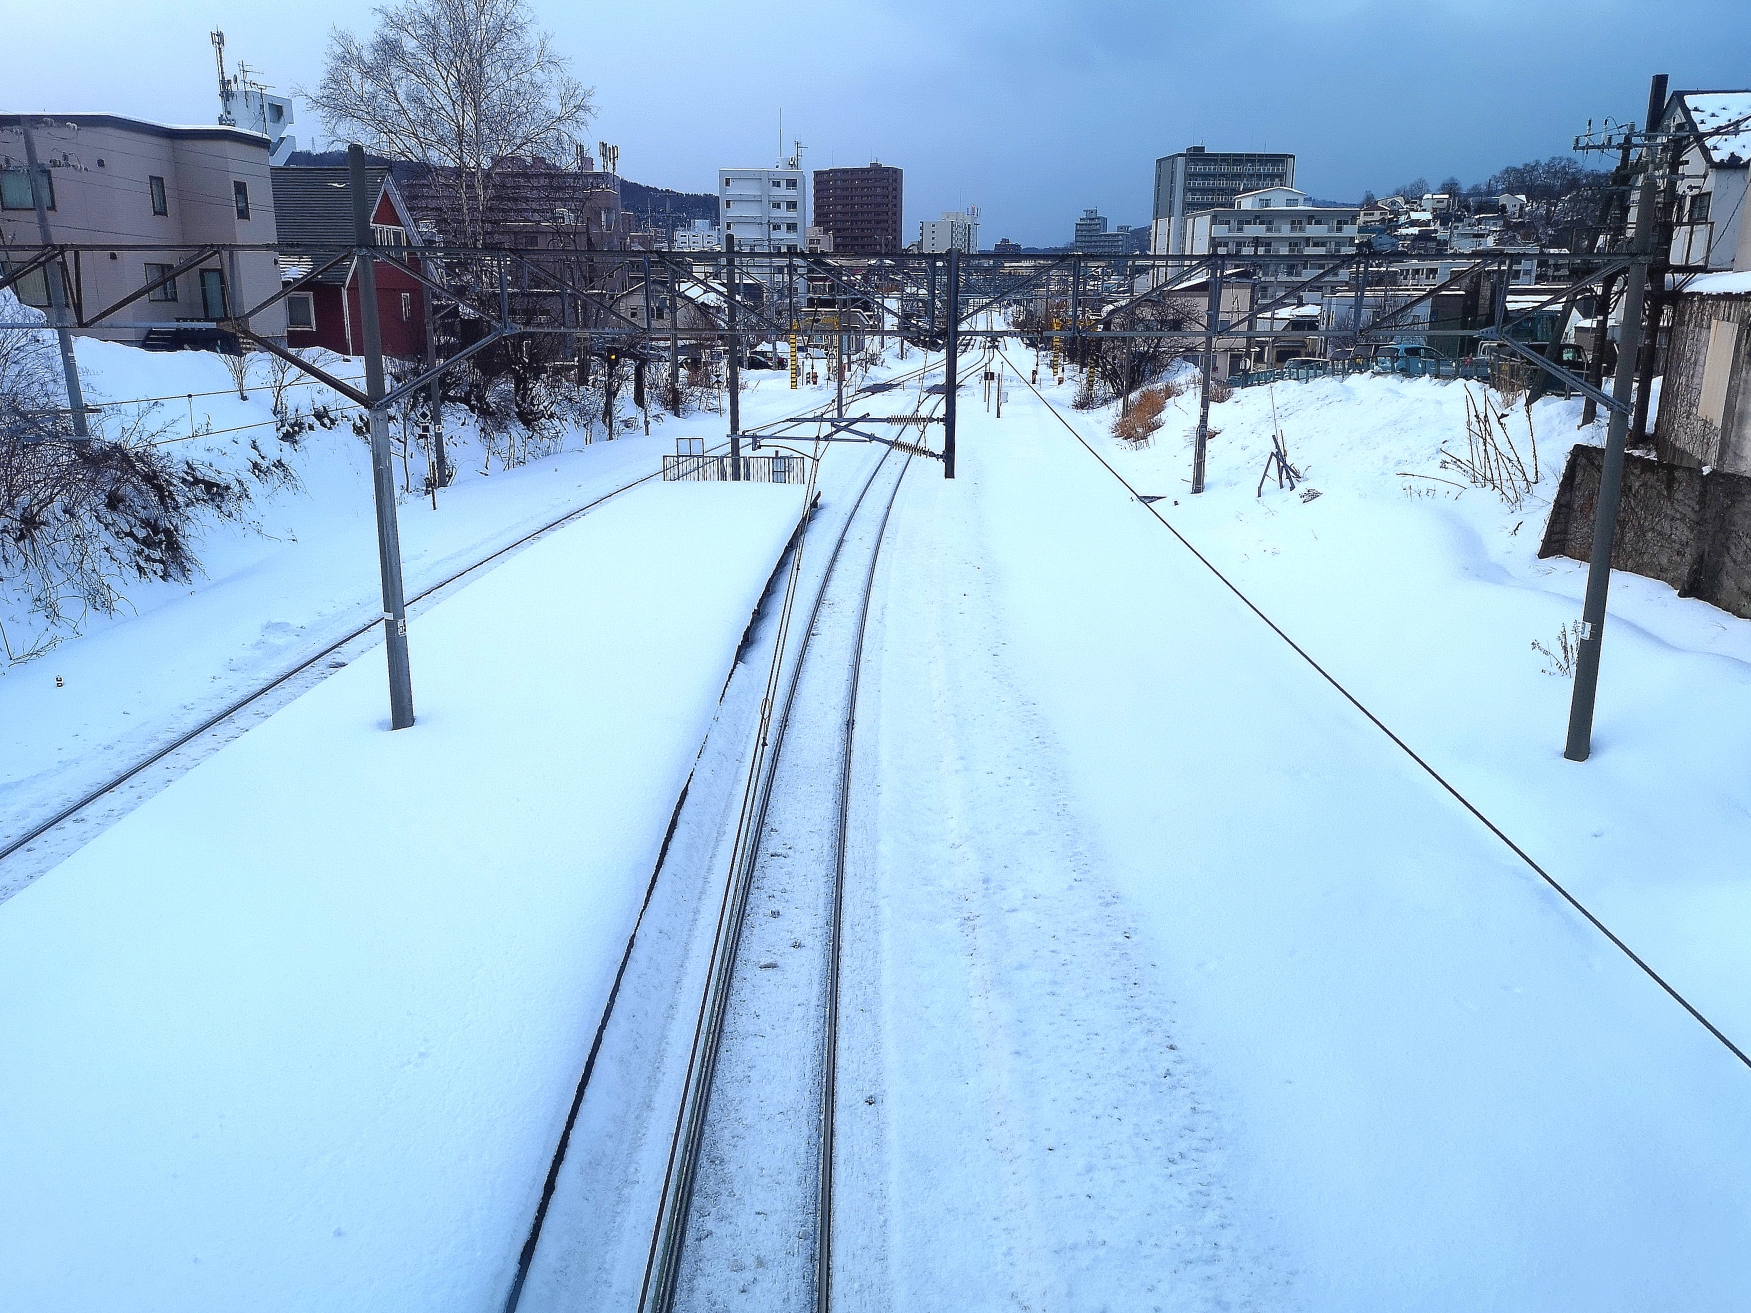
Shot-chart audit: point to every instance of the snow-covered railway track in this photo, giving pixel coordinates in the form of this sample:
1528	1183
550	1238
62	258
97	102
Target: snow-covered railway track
746	1210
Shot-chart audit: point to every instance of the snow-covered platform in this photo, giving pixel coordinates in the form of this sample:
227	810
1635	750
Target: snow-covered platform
302	1031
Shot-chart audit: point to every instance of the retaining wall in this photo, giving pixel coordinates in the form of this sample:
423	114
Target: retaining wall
1677	523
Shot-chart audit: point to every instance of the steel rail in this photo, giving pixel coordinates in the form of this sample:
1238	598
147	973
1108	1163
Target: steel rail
662	1268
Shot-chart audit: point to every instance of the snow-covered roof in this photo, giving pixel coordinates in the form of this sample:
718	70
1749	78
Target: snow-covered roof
1720	284
1724	120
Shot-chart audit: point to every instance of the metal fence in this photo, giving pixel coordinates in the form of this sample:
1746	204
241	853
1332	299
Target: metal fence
776	468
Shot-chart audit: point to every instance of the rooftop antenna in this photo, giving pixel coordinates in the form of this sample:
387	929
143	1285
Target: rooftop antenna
227	86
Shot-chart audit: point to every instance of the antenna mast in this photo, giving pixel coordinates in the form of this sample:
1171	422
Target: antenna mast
227	86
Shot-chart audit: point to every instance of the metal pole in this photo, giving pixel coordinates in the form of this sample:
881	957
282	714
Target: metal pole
52	275
950	361
1580	741
735	373
382	469
1201	446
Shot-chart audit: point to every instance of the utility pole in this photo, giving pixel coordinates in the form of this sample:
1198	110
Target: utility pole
735	373
52	275
1635	288
950	361
382	468
1201	445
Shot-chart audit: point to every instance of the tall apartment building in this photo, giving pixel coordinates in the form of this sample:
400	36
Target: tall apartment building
957	230
1092	237
1197	179
764	209
860	208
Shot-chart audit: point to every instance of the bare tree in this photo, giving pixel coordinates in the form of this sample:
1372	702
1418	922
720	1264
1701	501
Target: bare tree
453	84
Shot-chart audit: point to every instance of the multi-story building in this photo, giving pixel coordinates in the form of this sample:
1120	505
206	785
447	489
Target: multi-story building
696	235
1197	179
1274	229
1092	237
122	182
764	209
957	230
860	208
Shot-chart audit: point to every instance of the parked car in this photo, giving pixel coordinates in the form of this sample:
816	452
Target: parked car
1406	358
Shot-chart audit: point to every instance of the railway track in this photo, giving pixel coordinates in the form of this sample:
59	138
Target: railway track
186	748
739	1190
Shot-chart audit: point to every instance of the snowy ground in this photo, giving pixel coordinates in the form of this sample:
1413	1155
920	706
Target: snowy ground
301	1031
1424	600
1177	985
275	592
1170	982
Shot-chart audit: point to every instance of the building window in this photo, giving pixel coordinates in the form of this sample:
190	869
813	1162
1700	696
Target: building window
777	206
165	293
790	183
300	312
790	205
406	306
160	205
15	190
32	289
240	194
1699	206
388	234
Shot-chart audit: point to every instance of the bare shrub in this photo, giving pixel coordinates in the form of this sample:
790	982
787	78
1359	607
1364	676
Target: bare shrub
1137	427
1219	391
238	367
1493	459
1561	662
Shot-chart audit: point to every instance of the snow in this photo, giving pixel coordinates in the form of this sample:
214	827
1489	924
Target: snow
301	1031
1728	114
1192	989
274	592
1719	284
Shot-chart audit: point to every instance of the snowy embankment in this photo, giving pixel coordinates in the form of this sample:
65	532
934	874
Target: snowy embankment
302	1030
1206	990
275	591
1424	599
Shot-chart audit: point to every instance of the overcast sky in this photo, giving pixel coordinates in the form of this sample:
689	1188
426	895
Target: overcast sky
1031	111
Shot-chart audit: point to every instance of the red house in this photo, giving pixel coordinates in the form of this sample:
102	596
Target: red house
314	209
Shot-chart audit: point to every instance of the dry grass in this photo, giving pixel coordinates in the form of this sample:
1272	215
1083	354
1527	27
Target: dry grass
1137	426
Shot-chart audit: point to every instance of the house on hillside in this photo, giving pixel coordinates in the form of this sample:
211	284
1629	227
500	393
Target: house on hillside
1274	230
1707	232
160	190
315	209
528	202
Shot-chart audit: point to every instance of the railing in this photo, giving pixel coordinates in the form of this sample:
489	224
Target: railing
776	468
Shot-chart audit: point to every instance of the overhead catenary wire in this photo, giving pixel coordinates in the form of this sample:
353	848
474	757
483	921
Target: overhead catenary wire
1404	747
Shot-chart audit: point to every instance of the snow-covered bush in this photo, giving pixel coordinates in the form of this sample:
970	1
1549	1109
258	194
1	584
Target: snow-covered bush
78	520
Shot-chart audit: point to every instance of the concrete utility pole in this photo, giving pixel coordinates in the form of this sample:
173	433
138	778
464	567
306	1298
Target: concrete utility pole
39	195
735	347
950	362
1635	288
382	467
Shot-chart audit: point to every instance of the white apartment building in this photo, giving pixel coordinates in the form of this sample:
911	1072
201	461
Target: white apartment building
957	230
697	235
1275	222
764	209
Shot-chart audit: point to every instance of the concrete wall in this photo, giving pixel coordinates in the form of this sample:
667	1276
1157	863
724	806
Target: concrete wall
1683	434
102	165
1677	524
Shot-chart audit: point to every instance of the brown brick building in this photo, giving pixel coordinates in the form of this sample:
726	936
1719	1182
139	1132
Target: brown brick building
861	208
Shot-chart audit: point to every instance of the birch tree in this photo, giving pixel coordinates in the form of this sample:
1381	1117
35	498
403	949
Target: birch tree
454	85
